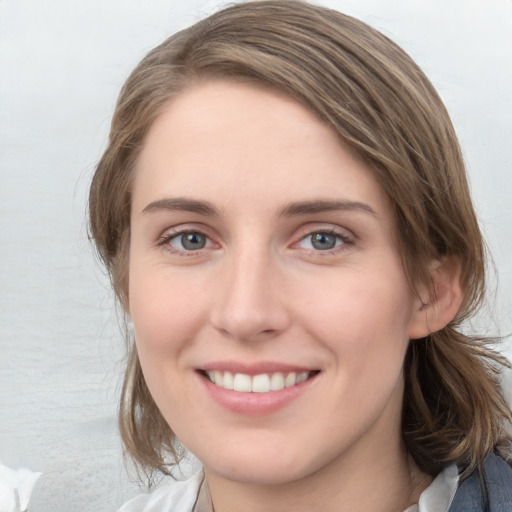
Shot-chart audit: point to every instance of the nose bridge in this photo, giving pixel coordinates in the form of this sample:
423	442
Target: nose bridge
249	304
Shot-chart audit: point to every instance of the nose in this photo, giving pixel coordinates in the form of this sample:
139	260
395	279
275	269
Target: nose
250	304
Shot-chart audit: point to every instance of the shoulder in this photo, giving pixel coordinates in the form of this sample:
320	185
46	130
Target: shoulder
495	481
175	495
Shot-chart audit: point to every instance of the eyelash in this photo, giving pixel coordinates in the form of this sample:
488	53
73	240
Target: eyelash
346	241
166	239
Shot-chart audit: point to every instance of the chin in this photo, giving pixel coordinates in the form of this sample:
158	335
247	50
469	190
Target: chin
256	475
260	469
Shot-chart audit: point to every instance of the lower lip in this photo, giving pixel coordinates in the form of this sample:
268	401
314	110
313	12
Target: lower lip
255	404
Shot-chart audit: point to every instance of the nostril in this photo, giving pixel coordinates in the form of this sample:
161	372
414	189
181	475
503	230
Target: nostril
250	328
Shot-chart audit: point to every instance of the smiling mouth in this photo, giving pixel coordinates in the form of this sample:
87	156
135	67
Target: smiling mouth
262	383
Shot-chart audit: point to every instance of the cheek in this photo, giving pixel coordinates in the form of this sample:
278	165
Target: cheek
364	326
364	318
164	315
164	321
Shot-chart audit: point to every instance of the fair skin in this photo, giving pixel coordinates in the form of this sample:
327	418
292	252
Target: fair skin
261	246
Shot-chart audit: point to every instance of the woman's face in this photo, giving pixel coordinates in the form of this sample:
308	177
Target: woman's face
263	259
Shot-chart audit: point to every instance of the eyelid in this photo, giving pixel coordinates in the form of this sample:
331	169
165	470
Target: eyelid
170	233
321	227
344	234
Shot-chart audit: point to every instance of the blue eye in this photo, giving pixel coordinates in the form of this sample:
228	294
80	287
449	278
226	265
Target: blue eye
322	241
189	241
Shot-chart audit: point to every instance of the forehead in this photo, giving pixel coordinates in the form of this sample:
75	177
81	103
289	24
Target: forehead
229	141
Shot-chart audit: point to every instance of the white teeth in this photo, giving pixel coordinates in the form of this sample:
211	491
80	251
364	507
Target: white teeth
228	381
219	378
301	377
290	380
242	382
277	381
262	383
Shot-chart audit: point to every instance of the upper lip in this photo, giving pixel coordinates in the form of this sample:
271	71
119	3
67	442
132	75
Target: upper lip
254	368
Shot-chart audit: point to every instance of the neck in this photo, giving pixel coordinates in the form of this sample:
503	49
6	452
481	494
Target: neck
388	481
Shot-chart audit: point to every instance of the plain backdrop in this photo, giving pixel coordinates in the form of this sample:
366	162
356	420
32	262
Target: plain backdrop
62	63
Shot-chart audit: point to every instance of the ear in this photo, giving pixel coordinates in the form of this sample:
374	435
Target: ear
437	307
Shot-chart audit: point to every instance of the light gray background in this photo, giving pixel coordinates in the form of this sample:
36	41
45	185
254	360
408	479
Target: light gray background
62	63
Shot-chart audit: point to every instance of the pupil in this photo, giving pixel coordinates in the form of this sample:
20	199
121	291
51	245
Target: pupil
323	241
193	241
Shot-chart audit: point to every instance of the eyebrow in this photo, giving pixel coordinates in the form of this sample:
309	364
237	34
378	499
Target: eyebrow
289	210
322	206
182	204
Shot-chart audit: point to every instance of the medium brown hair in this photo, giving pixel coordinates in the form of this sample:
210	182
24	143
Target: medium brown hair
382	106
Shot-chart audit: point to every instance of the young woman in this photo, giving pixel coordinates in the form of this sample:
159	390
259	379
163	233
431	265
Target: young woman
284	212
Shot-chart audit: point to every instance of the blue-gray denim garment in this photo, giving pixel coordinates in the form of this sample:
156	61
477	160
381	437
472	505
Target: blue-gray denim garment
470	497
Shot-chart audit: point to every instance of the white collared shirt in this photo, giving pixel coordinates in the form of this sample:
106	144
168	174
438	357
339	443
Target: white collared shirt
182	496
